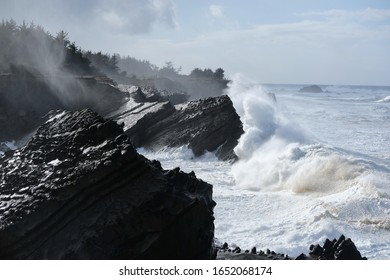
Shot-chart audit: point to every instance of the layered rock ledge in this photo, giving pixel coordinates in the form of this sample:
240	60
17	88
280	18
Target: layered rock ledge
79	190
203	125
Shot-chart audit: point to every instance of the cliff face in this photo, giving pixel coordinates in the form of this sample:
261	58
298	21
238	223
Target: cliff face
78	190
26	97
23	100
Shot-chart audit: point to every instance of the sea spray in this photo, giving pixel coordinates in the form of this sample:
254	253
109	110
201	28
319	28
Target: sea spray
277	154
386	99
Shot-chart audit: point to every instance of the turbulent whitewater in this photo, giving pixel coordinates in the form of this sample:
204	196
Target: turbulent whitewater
312	166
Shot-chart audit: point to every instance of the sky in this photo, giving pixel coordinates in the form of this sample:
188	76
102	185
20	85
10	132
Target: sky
269	41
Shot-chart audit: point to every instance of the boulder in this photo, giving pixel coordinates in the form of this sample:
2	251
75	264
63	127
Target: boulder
79	190
311	89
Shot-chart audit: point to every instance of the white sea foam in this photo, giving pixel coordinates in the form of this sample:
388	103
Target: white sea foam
285	221
276	154
8	145
386	99
11	145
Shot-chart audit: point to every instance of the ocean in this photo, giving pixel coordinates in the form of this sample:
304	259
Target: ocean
312	166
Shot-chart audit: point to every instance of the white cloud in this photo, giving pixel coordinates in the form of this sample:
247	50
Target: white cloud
136	17
216	11
368	14
319	50
113	19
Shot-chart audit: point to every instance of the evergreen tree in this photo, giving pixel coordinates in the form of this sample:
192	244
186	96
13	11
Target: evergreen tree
219	74
62	38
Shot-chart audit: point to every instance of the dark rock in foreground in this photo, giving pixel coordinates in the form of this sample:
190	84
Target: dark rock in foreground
210	124
311	89
338	249
78	190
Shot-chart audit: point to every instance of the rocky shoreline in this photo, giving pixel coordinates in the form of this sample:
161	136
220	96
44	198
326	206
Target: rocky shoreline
79	190
337	249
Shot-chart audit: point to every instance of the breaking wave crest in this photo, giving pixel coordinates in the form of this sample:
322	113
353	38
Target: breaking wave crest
275	153
384	100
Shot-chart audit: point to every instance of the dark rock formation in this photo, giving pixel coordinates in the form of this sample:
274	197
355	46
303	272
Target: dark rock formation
150	94
311	89
202	87
195	87
78	190
210	124
226	253
23	101
340	249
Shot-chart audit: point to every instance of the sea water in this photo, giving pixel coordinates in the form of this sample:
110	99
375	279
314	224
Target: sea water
312	166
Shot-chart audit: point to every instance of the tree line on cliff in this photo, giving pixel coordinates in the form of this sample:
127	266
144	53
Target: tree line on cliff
30	46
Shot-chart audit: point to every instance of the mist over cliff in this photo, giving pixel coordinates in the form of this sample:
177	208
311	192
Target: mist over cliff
40	72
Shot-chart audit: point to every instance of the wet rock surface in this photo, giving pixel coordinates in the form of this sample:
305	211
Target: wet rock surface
203	125
210	124
79	190
337	249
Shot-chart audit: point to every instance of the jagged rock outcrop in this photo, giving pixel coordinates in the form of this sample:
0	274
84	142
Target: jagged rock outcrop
338	249
311	89
78	190
210	124
151	94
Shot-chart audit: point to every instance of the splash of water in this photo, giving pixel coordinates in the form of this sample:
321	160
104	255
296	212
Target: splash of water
277	154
